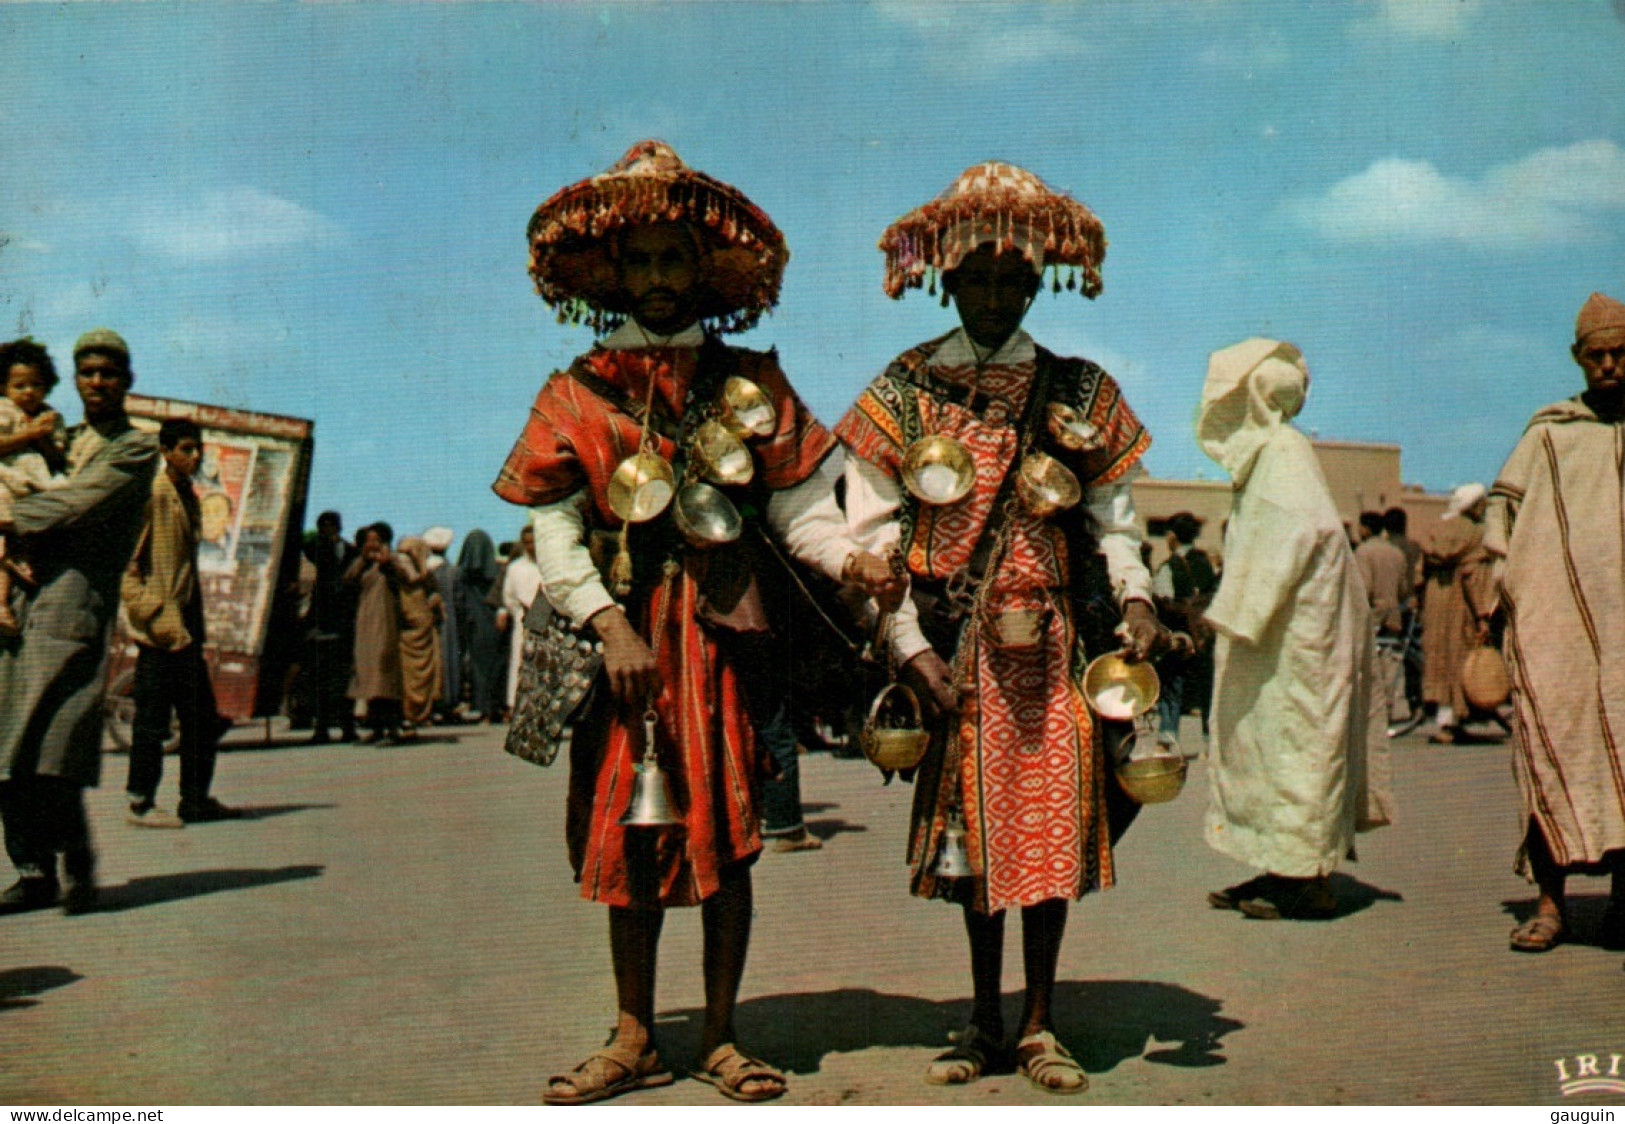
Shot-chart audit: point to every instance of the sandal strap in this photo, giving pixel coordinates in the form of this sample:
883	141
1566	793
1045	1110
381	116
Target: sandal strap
594	1068
1053	1055
733	1067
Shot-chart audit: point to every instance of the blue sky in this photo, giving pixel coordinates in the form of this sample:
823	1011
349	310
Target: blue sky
320	210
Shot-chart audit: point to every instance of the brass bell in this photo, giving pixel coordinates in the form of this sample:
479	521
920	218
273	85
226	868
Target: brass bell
651	804
938	470
746	410
954	860
721	456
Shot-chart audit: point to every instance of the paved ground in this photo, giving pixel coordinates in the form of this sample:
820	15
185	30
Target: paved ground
399	926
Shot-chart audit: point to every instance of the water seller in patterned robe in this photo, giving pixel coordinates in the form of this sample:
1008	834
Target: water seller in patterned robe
989	636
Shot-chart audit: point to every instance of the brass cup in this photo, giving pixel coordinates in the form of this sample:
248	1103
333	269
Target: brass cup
705	516
1152	780
895	747
1118	690
1046	486
747	411
721	456
640	487
1071	430
938	470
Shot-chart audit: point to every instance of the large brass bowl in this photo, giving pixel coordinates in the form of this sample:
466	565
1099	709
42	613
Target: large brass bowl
895	747
1152	780
1119	690
938	470
721	456
640	487
747	411
1046	486
705	516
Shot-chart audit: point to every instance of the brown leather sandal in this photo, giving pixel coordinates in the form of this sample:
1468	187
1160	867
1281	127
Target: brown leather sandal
607	1073
733	1074
1540	933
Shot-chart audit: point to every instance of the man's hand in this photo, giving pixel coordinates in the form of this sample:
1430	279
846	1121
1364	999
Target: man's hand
877	578
1143	635
931	680
633	674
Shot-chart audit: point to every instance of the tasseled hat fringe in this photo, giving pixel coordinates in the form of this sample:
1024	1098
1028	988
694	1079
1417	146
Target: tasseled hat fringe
1021	211
571	240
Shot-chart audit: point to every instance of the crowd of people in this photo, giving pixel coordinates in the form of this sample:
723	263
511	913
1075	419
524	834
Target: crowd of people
975	508
398	636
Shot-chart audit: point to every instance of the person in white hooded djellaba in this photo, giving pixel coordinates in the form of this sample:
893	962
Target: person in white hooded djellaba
1298	759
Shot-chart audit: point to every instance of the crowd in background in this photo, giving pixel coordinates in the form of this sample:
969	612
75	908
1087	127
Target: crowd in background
397	637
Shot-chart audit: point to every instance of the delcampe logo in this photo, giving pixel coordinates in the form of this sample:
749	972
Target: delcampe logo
1584	1073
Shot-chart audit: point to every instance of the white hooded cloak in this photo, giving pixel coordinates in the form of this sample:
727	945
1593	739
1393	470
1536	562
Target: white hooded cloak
1298	758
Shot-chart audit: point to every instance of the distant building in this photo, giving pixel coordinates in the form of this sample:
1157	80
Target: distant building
1362	477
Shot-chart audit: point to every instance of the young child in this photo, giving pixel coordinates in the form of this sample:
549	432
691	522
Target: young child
32	449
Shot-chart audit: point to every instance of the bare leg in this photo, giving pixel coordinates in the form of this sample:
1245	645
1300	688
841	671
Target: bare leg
1546	928
634	940
1549	877
987	971
725	918
1042	927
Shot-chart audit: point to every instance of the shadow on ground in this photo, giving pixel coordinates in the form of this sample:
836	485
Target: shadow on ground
1102	1022
1584	918
829	829
1353	896
159	888
269	811
17	985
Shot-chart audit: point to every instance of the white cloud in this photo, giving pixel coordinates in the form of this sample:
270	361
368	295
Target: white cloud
1265	53
1554	196
990	38
1421	19
228	223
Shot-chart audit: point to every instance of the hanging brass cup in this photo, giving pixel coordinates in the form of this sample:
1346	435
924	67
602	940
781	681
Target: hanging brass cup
640	487
746	410
722	457
898	746
1152	780
1119	690
1046	486
705	516
938	470
1071	430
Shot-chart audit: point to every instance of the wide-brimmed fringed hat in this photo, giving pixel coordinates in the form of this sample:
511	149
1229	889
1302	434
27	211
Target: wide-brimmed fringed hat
1001	203
573	238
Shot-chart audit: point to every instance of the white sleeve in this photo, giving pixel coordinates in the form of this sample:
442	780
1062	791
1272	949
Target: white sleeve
570	581
808	521
872	503
1163	583
1113	509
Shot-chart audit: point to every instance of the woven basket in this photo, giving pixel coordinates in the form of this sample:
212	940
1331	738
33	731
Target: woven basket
1484	678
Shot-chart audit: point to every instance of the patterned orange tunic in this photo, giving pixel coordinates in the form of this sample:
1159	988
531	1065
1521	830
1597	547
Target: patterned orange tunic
1027	772
705	741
